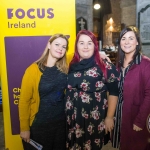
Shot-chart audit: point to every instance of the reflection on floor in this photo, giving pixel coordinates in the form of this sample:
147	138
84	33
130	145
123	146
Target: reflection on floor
106	147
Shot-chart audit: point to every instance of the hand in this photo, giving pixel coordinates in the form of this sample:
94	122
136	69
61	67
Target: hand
109	124
103	56
25	135
136	128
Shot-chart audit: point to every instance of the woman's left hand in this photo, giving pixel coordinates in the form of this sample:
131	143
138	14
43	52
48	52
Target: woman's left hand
109	124
136	128
104	56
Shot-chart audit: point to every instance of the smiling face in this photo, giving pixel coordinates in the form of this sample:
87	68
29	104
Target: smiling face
57	48
128	43
85	47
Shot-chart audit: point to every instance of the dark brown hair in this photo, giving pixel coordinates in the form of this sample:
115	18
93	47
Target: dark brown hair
121	54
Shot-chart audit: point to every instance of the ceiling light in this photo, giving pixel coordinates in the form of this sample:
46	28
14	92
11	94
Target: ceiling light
96	5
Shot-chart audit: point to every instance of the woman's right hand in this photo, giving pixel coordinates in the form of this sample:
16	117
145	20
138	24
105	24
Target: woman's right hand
25	135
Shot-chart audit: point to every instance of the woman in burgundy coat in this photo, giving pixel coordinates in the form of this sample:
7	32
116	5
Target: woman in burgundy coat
132	118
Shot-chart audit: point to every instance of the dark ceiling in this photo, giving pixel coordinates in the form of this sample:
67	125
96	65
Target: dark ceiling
105	8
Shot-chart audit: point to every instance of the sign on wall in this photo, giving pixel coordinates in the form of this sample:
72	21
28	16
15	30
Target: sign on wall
25	28
81	24
143	23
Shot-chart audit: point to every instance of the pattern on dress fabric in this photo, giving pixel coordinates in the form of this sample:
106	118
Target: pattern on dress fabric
86	103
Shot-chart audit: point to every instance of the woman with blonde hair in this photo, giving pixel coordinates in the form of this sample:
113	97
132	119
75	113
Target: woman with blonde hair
41	104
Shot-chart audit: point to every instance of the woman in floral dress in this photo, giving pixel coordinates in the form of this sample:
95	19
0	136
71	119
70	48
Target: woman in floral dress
89	80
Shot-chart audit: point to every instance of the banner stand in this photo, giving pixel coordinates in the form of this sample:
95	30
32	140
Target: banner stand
25	31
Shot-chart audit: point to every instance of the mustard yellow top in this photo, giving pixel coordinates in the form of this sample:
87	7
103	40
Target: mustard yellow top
29	97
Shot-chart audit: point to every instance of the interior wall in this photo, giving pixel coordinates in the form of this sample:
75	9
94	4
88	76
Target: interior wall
84	8
115	25
128	12
143	23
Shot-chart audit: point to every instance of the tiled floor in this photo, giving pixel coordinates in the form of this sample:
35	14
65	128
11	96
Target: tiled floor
106	147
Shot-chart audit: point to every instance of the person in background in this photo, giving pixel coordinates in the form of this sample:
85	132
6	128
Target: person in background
89	80
41	104
132	118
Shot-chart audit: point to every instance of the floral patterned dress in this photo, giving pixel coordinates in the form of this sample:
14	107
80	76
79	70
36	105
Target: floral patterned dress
86	103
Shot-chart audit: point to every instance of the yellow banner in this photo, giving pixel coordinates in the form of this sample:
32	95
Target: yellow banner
25	29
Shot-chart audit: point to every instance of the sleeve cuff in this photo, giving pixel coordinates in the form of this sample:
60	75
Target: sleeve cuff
24	125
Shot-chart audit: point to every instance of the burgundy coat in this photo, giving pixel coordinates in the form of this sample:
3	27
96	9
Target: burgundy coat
136	107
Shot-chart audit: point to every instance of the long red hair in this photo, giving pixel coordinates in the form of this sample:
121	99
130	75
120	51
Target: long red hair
98	60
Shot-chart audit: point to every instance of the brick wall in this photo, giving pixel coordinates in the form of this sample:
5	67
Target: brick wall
128	13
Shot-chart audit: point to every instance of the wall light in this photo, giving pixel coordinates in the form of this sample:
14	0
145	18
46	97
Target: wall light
111	28
96	5
111	20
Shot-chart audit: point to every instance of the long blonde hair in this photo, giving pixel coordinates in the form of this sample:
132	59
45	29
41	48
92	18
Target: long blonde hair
61	64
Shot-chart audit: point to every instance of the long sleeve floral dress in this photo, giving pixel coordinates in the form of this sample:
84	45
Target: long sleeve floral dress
86	103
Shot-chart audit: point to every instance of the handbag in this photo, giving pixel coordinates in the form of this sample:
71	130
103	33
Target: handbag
148	123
